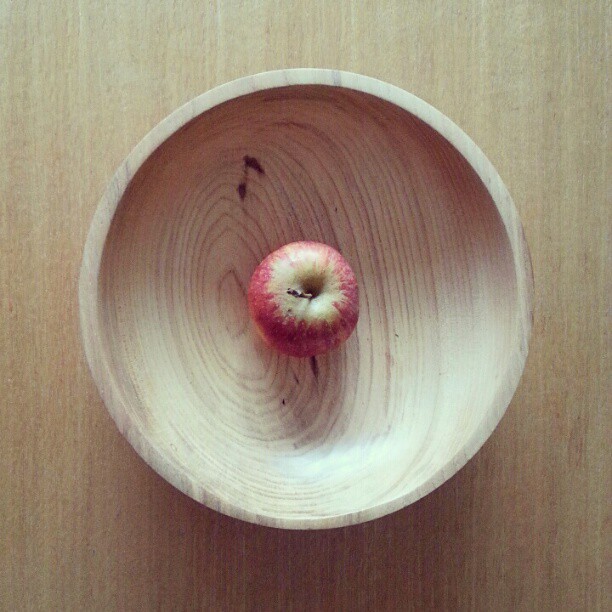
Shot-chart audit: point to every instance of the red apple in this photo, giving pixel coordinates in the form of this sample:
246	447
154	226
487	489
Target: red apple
303	299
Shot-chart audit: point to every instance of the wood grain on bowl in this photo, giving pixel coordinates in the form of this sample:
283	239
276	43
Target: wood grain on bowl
445	292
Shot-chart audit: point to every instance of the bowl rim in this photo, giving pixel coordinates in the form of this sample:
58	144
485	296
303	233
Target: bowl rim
99	362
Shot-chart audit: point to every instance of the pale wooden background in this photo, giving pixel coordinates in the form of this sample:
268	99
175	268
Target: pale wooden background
85	524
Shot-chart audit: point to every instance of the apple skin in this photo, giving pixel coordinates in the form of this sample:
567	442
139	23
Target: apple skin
304	299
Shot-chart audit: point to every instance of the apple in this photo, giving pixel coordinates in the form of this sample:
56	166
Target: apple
303	299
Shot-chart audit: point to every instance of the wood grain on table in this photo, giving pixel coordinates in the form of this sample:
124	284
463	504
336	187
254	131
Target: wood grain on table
85	524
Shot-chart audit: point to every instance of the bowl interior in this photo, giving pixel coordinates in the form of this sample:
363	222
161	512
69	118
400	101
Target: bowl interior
267	435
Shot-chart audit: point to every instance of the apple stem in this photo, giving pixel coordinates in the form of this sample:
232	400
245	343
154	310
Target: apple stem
299	294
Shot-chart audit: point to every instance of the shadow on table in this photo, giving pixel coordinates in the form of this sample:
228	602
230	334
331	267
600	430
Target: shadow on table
414	557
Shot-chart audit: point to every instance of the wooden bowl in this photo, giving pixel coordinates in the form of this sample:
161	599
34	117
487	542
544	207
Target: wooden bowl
445	284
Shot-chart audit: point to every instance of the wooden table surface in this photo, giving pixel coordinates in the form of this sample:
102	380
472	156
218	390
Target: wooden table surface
86	525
